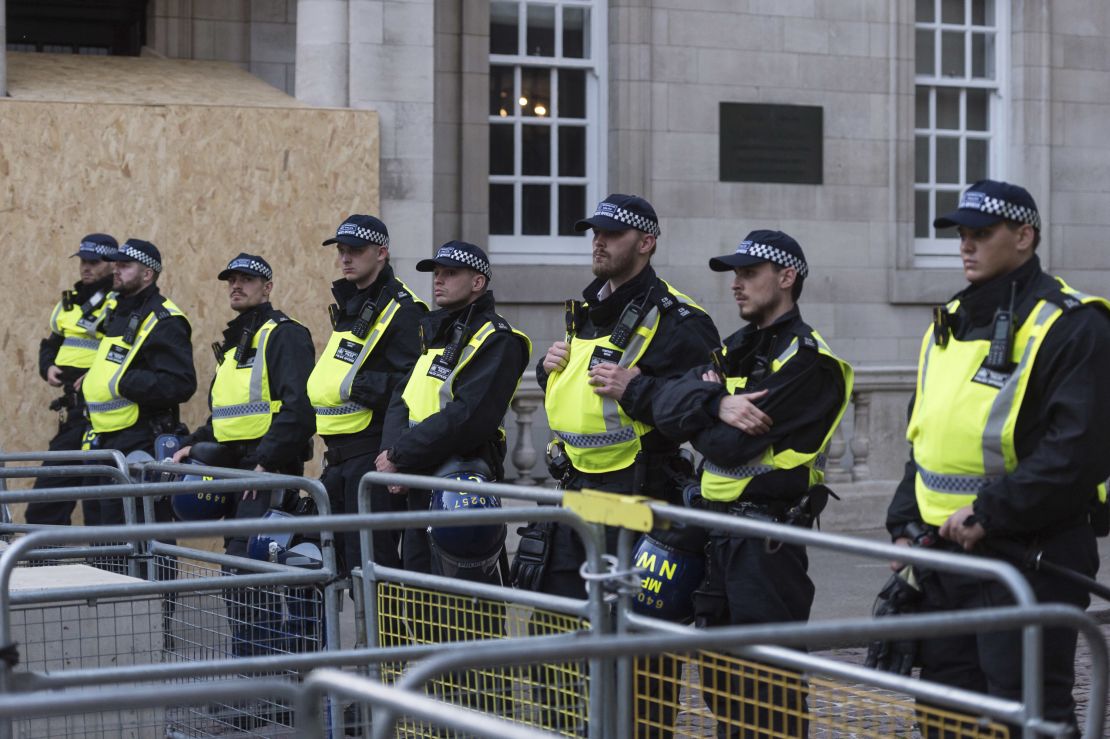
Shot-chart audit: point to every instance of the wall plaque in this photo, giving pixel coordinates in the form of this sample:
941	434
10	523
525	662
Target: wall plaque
771	143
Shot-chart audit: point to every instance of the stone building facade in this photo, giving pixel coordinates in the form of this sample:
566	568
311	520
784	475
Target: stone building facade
503	120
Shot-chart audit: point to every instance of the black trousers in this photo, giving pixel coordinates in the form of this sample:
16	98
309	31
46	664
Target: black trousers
341	481
749	581
59	512
562	577
991	662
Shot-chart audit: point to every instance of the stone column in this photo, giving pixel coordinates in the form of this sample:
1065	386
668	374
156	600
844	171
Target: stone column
323	52
3	49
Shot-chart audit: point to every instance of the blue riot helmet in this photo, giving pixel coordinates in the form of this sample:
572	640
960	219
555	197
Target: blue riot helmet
469	552
137	457
203	506
270	547
671	574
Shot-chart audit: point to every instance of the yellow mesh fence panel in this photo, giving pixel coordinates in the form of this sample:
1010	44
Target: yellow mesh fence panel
549	696
691	694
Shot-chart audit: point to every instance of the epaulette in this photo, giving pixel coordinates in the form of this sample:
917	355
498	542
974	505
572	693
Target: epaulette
1061	299
279	317
402	295
808	342
161	312
667	303
500	324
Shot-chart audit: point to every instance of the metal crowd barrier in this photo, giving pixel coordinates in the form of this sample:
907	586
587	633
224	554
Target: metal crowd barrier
484	599
583	656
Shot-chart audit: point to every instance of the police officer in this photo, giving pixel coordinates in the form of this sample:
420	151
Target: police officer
260	408
1008	440
66	355
762	416
455	398
143	369
375	341
630	329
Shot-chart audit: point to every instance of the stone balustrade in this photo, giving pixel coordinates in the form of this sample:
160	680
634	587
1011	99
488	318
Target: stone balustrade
868	445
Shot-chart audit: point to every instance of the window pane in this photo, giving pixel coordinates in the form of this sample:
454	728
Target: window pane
500	90
501	209
952	11
541	30
924	11
982	56
501	149
978	111
572	205
503	28
952	55
946	203
982	12
535	144
923	50
921	108
572	151
976	160
948	159
535	91
948	108
921	221
535	214
576	33
572	93
921	159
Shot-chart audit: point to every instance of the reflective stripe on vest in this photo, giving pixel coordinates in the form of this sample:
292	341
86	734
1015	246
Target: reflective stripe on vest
329	385
726	484
108	410
431	386
79	342
241	405
958	454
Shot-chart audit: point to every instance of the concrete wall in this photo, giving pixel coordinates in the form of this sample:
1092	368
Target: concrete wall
258	35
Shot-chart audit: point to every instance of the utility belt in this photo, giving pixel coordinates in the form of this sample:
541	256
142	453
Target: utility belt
802	511
339	452
661	476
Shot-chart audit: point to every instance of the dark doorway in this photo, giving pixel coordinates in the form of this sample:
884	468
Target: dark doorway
109	27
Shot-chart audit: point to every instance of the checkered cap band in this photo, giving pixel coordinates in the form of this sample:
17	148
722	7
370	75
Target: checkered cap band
773	254
141	257
473	261
91	247
369	234
974	200
252	264
639	222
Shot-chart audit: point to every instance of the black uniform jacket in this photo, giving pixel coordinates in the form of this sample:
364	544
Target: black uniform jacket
471	421
1062	433
161	375
48	347
289	362
389	364
803	400
685	338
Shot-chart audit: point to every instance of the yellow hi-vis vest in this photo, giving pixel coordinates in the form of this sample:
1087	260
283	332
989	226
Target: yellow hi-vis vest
241	405
726	484
80	335
964	415
598	435
431	385
329	385
108	410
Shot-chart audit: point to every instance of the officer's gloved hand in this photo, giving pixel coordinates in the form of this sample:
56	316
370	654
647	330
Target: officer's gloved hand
901	594
691	495
531	557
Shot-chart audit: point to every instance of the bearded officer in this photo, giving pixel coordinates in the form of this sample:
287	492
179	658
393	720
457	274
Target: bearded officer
260	408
